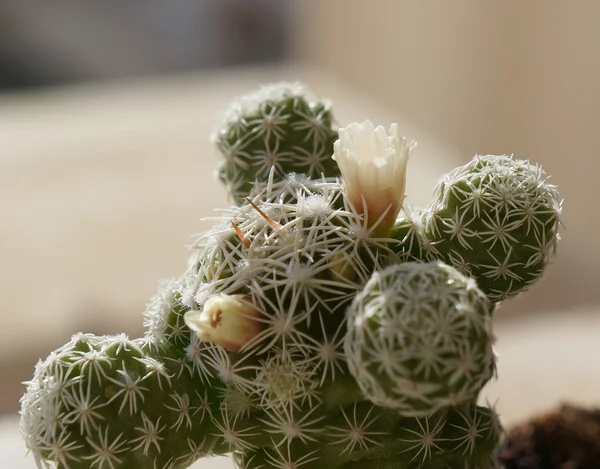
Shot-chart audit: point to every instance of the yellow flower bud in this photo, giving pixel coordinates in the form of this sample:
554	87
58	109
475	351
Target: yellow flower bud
227	320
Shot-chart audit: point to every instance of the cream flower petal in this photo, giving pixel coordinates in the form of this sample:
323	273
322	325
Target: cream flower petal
373	165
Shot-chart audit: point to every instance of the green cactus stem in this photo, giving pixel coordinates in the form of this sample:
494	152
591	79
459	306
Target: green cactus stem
114	402
419	338
281	126
495	219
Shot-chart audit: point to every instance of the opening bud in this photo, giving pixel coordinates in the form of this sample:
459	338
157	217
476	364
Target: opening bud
373	164
230	321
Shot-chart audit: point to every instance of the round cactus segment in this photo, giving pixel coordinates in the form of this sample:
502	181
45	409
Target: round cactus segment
495	219
298	254
283	127
114	402
419	338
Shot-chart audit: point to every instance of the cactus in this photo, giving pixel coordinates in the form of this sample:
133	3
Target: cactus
281	127
495	219
318	324
419	338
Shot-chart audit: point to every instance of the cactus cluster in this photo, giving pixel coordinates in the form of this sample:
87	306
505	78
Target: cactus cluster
304	332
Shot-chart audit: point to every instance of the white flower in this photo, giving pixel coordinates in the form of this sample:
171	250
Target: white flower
373	165
226	320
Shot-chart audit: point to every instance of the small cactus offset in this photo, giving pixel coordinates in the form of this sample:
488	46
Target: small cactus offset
281	127
495	219
419	338
319	324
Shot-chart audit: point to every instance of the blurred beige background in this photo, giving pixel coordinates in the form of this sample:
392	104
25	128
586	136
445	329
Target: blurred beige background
101	183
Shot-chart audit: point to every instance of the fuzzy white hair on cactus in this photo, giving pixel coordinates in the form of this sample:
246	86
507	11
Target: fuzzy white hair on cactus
226	320
373	165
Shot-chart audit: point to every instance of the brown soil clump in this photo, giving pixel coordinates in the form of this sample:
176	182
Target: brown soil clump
566	438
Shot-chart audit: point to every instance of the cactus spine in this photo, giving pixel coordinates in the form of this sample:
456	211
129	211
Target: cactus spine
304	333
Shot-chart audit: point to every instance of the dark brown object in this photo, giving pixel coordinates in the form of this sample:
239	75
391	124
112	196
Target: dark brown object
567	438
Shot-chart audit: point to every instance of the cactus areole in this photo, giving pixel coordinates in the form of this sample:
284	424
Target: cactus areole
319	324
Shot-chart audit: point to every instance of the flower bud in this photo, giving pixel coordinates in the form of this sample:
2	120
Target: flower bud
230	321
373	166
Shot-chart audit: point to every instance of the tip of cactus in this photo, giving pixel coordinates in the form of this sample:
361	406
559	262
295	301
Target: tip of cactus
250	103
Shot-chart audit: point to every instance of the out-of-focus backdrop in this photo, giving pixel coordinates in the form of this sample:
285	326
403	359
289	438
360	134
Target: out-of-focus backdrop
105	163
